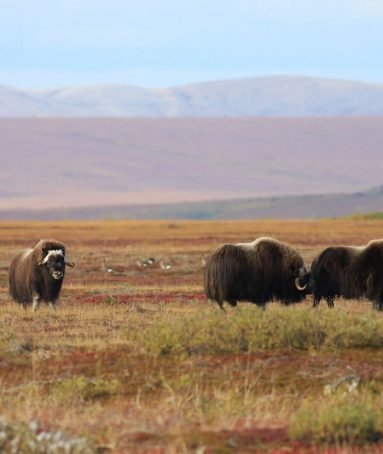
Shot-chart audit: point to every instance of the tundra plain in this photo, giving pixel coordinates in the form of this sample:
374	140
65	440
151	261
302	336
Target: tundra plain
135	359
99	163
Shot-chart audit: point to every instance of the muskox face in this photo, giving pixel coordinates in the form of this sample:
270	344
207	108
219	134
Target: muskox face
303	281
55	263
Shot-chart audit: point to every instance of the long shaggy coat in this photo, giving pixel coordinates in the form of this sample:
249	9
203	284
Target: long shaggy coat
261	271
350	272
28	279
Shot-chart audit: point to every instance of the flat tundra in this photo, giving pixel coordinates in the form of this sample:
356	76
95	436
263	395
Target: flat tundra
37	274
261	271
349	272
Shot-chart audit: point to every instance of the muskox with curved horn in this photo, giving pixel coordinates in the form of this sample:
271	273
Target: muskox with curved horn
261	271
350	272
37	274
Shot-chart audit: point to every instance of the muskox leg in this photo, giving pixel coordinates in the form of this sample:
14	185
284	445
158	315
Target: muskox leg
36	302
316	301
52	305
220	305
378	305
330	302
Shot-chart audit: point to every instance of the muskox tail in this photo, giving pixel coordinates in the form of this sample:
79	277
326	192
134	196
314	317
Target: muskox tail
223	274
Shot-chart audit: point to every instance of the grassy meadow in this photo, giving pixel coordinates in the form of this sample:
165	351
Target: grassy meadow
135	359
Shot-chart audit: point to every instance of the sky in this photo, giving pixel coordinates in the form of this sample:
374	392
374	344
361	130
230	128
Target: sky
163	43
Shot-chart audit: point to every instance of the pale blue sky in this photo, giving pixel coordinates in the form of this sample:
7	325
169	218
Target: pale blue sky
160	43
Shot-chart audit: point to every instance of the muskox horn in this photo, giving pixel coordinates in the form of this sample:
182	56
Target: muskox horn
299	286
71	264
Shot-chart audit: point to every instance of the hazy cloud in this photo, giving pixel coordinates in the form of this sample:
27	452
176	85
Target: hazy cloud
372	8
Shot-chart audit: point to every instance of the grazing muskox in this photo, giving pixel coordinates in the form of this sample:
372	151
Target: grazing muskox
37	274
350	272
261	271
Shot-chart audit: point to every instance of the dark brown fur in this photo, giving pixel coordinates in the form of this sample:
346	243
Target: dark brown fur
349	272
27	279
258	272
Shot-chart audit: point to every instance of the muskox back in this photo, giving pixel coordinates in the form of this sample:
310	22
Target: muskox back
350	272
257	272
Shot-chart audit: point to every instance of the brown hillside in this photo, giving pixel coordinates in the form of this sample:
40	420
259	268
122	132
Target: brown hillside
90	162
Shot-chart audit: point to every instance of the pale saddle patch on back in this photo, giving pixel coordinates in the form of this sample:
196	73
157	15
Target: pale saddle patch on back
254	243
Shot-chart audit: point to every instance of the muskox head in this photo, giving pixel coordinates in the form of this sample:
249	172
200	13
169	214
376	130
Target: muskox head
302	280
55	262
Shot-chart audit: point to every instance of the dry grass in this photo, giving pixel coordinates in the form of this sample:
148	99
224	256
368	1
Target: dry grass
96	367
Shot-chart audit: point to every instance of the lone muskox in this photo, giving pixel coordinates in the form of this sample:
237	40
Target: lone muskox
261	271
350	272
37	274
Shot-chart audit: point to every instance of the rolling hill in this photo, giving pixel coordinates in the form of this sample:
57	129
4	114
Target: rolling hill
262	96
286	207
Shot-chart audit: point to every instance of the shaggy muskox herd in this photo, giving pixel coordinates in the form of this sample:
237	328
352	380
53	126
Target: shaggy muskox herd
267	270
261	271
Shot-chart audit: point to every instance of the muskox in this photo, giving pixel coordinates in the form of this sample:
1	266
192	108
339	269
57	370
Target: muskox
350	272
258	272
37	274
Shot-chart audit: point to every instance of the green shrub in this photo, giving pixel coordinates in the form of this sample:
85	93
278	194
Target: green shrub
337	420
77	388
251	329
83	388
373	216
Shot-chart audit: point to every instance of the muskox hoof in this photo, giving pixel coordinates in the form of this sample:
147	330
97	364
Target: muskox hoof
220	305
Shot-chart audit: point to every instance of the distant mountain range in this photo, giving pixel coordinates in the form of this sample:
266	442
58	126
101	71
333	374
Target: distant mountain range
287	207
262	96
